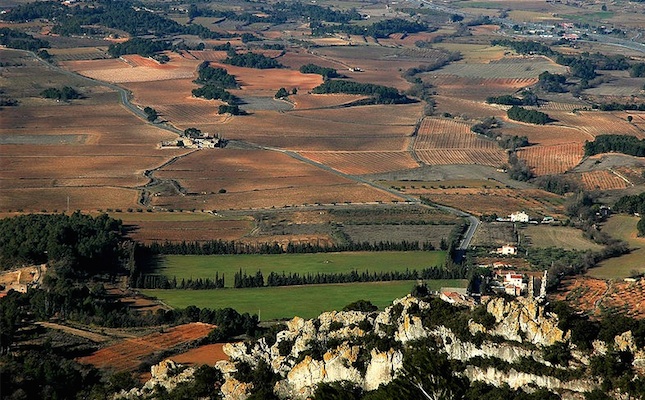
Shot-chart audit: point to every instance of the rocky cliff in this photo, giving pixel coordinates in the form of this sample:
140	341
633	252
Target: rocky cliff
511	346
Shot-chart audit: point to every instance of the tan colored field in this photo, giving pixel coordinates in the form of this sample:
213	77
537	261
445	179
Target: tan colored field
126	355
471	88
498	201
91	150
134	69
603	180
559	236
622	227
474	53
467	109
548	160
368	162
205	55
446	141
203	355
545	135
402	115
257	179
598	123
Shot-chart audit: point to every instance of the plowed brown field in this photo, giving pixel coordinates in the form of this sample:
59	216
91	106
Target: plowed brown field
203	355
126	355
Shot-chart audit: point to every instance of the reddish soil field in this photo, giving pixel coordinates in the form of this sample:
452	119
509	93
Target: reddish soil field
582	293
446	141
314	132
190	231
592	295
471	88
126	355
602	180
55	199
257	179
556	159
546	135
203	355
359	163
268	81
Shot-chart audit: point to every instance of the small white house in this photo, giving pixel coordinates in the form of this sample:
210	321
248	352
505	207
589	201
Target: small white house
519	216
507	250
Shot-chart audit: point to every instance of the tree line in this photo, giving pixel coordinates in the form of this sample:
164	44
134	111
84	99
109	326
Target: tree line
325	72
154	281
625	144
143	47
381	29
215	81
232	247
65	93
531	116
488	128
125	15
244	280
632	205
79	242
18	40
252	60
380	94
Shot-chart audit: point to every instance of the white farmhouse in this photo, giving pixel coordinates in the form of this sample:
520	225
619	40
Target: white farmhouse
519	216
507	250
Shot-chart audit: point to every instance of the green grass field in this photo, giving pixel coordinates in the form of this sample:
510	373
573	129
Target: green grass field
289	301
622	227
206	266
559	236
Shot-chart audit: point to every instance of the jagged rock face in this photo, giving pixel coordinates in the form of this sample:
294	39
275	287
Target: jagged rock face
382	368
525	320
463	351
336	365
167	374
517	380
521	320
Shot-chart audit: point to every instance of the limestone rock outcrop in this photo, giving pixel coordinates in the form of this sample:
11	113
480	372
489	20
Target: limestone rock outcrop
166	374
